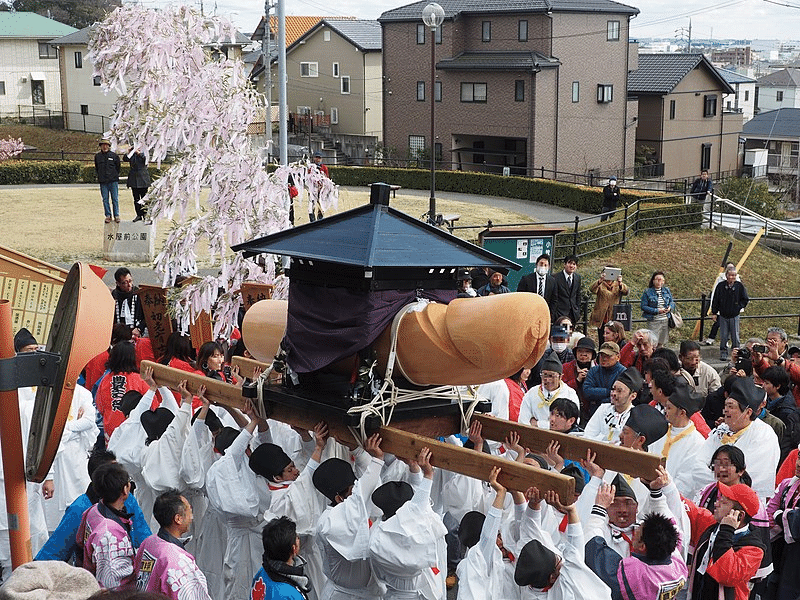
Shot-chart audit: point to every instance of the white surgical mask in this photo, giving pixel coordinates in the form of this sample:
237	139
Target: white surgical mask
541	270
559	346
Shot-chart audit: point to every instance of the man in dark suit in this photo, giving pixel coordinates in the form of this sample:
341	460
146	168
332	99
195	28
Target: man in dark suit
568	291
542	283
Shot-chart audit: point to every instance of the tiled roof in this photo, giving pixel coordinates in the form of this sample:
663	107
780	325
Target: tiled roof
31	25
82	37
364	34
734	77
413	12
496	61
660	73
296	27
784	77
781	123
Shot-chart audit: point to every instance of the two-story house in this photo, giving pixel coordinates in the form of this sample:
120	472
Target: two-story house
779	132
682	120
334	74
524	84
744	93
86	107
780	89
29	75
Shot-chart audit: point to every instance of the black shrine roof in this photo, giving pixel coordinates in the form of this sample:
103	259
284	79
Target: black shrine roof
375	235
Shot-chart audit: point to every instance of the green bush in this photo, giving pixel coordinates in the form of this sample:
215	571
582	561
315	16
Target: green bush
18	172
575	197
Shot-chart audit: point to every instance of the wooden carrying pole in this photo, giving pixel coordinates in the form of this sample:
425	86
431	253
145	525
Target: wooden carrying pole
396	440
19	529
608	456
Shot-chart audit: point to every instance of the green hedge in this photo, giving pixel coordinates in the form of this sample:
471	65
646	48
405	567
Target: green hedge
89	175
575	197
18	172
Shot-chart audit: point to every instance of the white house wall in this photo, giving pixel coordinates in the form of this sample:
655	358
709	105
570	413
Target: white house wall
18	59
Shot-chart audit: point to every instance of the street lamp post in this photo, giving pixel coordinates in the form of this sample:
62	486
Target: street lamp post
433	16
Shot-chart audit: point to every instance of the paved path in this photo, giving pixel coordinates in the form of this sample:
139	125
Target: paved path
538	212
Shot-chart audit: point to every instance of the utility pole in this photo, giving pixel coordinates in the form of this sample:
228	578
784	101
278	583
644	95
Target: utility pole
266	55
282	134
689	44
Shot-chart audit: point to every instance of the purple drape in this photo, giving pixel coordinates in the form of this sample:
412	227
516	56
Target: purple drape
327	324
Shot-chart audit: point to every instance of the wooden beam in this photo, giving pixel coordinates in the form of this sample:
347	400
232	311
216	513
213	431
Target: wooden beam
405	438
615	458
514	475
248	365
218	392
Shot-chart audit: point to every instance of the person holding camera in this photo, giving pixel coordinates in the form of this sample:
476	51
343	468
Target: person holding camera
609	290
730	298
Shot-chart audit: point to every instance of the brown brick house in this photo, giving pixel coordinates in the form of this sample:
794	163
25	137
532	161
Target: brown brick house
524	83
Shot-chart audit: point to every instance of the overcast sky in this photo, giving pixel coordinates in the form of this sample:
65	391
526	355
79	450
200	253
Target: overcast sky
752	19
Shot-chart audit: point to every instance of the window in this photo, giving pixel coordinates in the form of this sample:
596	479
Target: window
672	109
705	156
37	91
486	31
522	31
84	109
746	95
345	84
779	96
519	90
605	93
416	144
335	69
334	116
420	33
96	80
437	149
420	90
473	92
309	69
710	105
78	60
437	91
326	35
2	88
612	33
47	51
576	91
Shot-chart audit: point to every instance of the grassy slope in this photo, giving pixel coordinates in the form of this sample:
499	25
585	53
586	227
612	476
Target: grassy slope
691	262
51	140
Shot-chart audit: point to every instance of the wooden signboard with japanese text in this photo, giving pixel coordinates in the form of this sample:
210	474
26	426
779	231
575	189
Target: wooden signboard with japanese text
33	287
254	292
159	324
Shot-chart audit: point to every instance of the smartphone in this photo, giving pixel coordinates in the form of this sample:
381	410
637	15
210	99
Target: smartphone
611	273
761	348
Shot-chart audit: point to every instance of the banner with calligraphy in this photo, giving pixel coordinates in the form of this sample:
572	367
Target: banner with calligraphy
159	325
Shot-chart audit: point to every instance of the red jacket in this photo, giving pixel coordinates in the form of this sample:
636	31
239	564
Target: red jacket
794	375
95	368
109	395
735	560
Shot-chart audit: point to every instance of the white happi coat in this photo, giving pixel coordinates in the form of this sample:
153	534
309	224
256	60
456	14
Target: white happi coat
240	497
343	541
303	504
536	404
70	476
481	572
683	460
127	442
407	544
761	454
606	423
575	581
